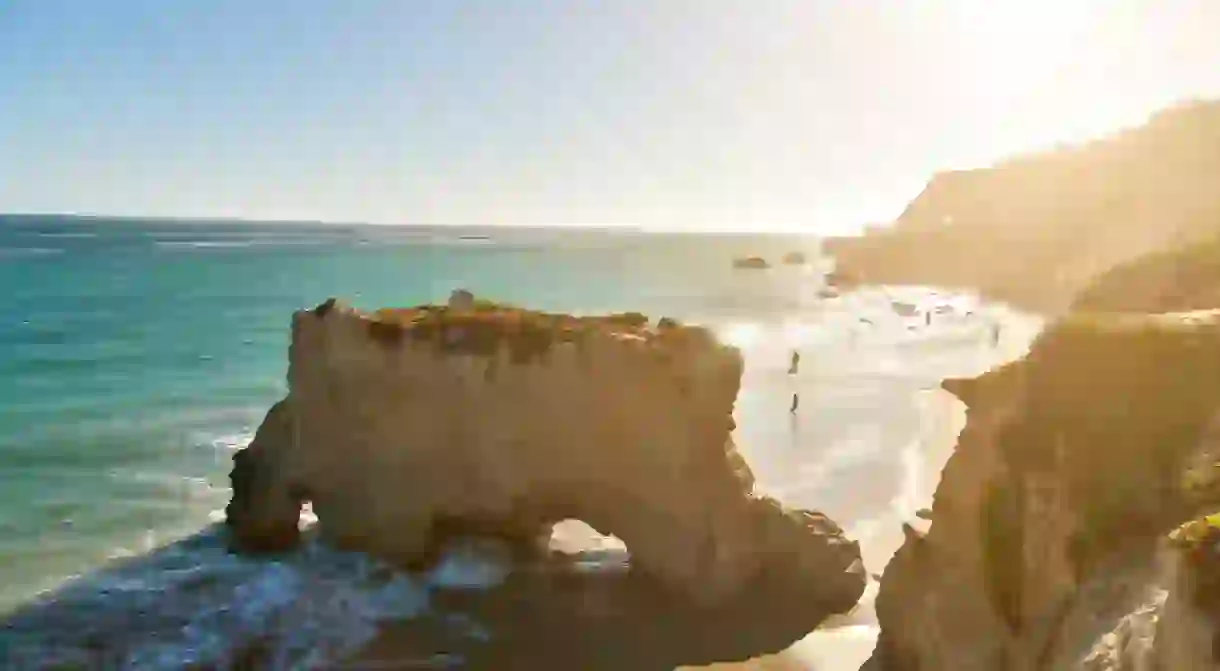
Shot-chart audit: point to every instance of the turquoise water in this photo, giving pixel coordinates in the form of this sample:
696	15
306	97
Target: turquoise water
136	356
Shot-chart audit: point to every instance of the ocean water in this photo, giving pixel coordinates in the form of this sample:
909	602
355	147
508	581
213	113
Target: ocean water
137	356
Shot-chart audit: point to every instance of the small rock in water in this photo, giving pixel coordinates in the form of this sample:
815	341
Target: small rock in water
461	299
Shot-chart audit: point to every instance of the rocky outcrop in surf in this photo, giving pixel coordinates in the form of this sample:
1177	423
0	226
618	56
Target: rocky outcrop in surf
1041	227
405	426
1047	546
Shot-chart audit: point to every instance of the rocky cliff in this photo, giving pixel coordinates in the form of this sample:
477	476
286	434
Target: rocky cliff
1046	548
1036	229
403	427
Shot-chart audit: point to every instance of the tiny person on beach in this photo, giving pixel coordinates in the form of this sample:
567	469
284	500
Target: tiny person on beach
793	368
995	334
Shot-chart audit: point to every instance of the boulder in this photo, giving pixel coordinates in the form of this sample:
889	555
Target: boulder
751	263
461	299
795	258
838	279
904	309
405	426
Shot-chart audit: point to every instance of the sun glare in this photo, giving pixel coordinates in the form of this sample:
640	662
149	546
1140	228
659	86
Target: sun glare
741	334
1020	46
1043	73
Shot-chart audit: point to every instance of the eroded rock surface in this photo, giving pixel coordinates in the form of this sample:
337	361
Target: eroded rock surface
1047	544
404	426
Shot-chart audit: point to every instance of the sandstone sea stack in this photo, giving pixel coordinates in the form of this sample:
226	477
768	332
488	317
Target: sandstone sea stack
405	426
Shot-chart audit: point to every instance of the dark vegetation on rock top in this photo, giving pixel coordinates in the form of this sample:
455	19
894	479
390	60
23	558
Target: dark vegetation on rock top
488	326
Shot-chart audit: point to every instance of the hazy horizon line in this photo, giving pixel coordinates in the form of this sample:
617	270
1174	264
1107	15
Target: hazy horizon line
613	228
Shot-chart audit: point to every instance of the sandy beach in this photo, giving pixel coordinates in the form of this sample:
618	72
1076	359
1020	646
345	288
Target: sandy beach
873	429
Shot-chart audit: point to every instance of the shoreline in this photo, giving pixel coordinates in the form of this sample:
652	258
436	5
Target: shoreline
887	382
853	256
924	436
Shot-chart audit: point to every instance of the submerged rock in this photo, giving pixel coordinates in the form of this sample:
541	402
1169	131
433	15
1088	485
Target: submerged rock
461	299
404	427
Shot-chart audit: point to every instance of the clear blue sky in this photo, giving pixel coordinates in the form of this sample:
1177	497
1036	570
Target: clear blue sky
693	114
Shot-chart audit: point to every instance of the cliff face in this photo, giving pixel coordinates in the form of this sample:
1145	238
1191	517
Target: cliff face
1036	229
1046	548
405	426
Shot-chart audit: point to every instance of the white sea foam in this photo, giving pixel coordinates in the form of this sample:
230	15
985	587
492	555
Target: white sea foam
196	603
203	244
20	252
464	567
233	441
80	234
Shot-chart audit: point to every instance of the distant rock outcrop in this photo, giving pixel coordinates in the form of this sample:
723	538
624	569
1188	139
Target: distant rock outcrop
461	299
403	427
751	263
1036	229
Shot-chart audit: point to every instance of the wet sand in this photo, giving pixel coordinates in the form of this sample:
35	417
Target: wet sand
872	432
